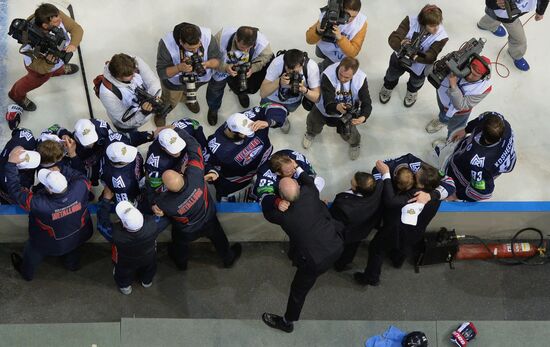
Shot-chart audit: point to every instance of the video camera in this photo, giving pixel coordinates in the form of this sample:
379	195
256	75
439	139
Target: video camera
334	15
410	49
457	62
352	112
44	43
511	8
159	108
242	70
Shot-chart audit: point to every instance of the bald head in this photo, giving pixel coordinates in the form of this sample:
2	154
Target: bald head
289	189
173	180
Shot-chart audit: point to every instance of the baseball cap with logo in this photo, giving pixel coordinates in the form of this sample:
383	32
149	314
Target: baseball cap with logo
119	152
171	141
410	212
48	137
130	216
239	123
53	180
84	131
31	160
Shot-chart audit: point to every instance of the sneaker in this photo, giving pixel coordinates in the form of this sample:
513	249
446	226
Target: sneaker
193	107
71	69
439	143
434	126
237	250
286	126
13	115
499	32
26	103
384	95
522	64
126	290
212	116
307	140
244	100
410	99
277	322
160	120
360	278
146	285
354	152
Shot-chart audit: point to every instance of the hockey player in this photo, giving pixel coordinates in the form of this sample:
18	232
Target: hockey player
479	158
238	148
59	219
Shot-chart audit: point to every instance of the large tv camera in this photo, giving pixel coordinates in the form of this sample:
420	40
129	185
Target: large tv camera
352	112
43	42
242	70
457	62
410	49
334	15
159	108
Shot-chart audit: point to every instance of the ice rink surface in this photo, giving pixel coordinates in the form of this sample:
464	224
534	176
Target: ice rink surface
135	27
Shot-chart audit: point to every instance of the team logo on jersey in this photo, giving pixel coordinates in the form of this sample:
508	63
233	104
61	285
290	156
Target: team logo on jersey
102	124
477	161
153	160
213	145
115	137
180	124
25	134
249	153
251	114
270	175
118	182
415	166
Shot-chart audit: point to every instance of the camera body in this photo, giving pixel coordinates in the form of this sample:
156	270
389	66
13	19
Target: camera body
334	15
457	62
352	112
511	8
45	43
294	90
195	60
409	50
159	108
242	70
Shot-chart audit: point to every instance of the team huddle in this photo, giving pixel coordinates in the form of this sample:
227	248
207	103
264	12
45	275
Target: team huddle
184	172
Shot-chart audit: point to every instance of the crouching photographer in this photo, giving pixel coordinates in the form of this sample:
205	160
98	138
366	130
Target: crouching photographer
345	103
130	92
49	37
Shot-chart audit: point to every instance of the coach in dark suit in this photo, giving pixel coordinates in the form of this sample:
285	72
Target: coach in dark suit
315	237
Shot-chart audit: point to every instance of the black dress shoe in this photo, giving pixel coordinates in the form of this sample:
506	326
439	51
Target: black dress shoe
236	250
212	116
244	100
16	261
276	322
360	278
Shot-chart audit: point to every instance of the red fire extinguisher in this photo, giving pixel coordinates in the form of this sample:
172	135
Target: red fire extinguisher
497	250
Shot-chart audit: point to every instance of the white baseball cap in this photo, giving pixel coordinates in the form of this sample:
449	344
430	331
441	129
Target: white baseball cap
31	160
119	152
171	141
84	131
130	216
239	123
49	137
410	212
53	180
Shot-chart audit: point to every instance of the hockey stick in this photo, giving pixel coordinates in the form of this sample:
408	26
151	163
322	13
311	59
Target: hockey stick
81	61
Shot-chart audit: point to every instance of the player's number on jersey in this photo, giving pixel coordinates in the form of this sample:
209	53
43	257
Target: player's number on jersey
121	197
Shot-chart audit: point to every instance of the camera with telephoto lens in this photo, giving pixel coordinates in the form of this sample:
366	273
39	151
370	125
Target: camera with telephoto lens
242	70
195	60
457	62
352	112
159	108
294	90
190	79
43	43
334	15
409	49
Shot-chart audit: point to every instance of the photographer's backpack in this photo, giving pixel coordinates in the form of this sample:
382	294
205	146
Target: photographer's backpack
99	80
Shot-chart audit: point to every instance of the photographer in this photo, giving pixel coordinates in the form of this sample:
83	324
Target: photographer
496	12
343	86
117	91
246	54
426	30
292	78
185	59
348	38
41	67
456	97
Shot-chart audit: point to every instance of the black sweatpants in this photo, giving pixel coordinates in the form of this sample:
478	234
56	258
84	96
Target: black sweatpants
303	281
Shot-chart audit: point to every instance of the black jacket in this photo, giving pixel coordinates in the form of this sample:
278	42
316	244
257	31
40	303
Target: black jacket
360	214
314	235
133	249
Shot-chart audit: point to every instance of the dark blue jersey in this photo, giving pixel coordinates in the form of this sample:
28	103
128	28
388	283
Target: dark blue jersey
124	181
19	137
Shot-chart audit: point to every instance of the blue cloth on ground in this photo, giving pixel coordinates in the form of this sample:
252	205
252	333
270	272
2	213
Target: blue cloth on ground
390	338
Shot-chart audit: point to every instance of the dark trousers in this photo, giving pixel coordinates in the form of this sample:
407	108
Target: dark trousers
32	257
350	250
124	275
215	89
323	64
395	70
315	122
303	281
212	230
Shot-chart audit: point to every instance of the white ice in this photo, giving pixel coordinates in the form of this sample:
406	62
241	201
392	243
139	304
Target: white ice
135	27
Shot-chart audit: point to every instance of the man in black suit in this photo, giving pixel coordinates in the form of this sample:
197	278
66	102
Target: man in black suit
315	237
